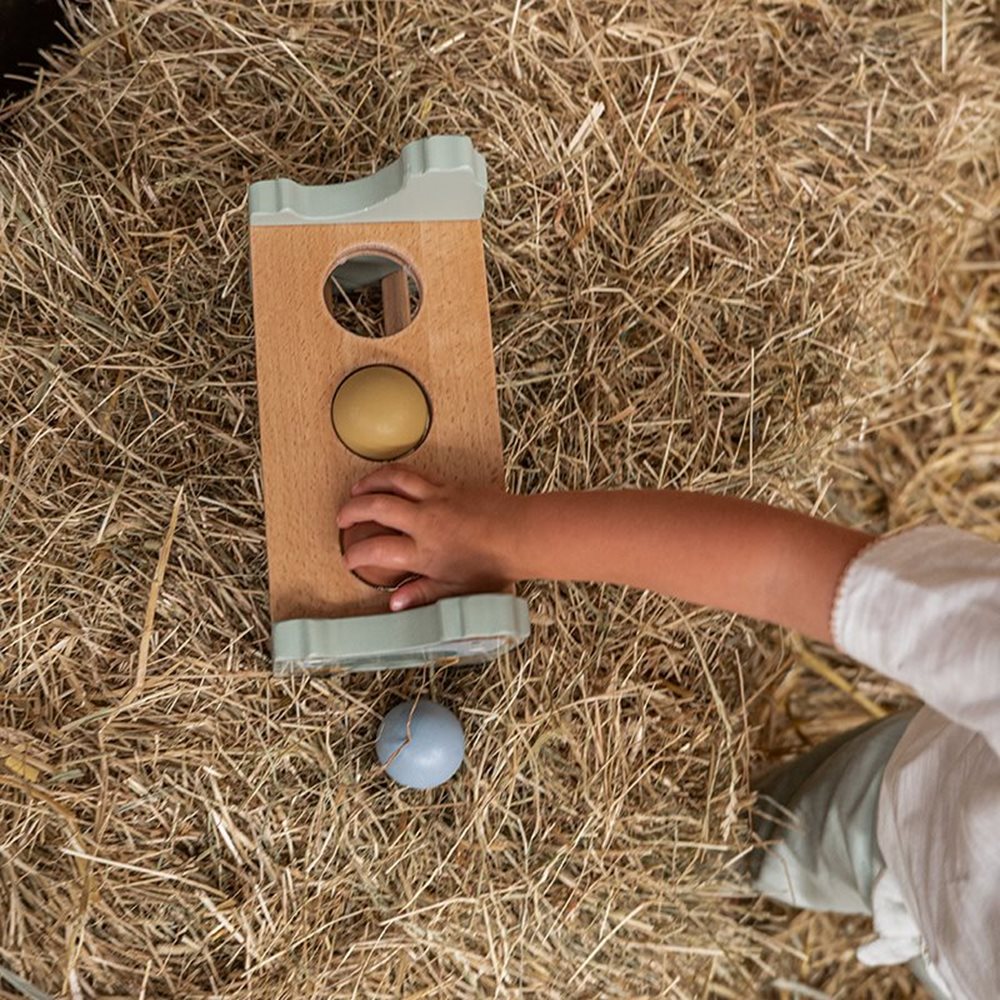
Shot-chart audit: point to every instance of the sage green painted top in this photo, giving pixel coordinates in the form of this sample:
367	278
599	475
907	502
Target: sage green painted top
439	178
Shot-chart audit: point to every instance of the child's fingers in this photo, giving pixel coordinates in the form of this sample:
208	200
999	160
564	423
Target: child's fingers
395	479
384	508
421	591
386	552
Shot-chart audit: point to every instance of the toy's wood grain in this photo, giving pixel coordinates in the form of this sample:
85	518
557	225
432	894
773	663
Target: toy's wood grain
302	355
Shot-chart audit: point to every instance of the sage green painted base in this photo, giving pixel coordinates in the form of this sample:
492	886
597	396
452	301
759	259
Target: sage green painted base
453	631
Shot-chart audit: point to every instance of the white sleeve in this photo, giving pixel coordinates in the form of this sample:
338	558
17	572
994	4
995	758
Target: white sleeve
923	607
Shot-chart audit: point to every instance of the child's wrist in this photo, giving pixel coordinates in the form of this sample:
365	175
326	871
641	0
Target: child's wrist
508	543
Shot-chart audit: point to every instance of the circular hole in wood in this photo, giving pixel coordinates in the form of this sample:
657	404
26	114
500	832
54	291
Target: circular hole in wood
380	579
372	294
381	413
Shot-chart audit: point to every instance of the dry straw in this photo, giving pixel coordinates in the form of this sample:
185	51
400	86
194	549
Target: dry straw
734	246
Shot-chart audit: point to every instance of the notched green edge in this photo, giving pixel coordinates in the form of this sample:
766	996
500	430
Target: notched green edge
439	178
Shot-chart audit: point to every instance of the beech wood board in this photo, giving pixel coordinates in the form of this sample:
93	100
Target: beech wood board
303	354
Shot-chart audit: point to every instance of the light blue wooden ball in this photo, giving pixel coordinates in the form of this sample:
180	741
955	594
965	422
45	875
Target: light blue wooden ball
432	753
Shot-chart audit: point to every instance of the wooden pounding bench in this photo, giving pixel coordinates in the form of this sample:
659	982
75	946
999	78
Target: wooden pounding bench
408	242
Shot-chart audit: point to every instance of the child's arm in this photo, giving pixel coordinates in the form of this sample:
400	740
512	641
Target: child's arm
718	551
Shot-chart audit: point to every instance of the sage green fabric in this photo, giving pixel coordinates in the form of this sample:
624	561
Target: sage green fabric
818	814
820	810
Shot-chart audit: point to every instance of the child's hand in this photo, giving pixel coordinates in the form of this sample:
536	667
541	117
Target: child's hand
455	540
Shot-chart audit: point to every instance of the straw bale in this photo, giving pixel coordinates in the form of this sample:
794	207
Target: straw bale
732	246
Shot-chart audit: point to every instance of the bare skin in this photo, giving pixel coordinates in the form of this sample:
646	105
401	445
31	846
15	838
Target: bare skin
745	557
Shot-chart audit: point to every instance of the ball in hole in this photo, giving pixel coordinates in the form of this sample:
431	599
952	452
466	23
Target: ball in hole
420	745
372	575
380	412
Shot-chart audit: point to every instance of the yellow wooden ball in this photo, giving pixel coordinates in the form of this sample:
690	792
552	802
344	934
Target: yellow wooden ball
380	412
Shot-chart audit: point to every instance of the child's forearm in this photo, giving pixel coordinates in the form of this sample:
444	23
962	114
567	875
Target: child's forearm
718	551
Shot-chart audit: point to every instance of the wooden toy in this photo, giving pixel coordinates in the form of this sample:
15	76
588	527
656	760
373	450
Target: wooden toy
340	392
